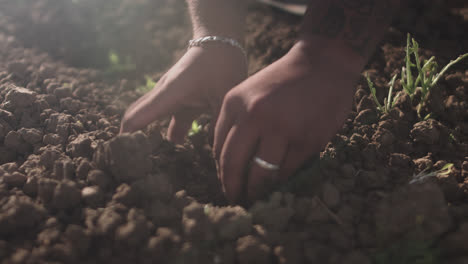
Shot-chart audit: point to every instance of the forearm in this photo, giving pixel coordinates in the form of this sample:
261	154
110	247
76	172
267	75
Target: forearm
218	17
354	26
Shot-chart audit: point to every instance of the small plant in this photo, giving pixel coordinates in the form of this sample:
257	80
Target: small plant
148	86
427	75
388	101
114	58
425	78
196	128
116	65
425	174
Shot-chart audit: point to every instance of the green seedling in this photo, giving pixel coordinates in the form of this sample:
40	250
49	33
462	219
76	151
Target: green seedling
425	78
114	58
196	128
388	101
148	86
207	209
427	117
427	75
425	174
452	138
116	65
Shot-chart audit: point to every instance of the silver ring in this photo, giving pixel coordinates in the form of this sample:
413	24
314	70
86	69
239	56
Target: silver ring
265	164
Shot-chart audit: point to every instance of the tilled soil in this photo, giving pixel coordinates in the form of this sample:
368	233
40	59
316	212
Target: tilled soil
73	191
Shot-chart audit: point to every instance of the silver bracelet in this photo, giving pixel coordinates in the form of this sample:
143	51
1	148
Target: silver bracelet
200	41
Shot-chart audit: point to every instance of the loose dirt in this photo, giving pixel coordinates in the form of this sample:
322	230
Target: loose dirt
74	191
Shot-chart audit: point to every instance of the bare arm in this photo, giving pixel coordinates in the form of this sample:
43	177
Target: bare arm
218	17
313	85
352	28
198	82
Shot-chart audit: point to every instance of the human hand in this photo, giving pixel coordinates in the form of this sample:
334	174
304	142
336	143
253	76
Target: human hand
283	115
195	84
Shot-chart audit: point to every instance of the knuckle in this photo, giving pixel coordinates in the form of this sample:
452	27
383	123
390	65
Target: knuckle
260	107
261	113
231	100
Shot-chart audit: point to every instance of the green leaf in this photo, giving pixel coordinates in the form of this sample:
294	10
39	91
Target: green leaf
196	128
114	58
427	116
446	169
389	103
409	77
452	138
450	64
395	99
373	92
148	86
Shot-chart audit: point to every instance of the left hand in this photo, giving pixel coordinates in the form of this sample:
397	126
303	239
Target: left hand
283	114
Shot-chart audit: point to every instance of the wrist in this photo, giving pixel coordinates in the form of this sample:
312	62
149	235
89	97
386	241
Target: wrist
317	49
329	64
218	18
200	42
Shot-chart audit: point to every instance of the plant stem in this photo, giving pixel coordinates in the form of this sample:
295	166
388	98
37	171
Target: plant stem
450	64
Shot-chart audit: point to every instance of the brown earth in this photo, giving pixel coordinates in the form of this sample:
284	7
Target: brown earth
73	191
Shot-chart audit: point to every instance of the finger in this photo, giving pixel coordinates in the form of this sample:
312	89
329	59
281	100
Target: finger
158	103
180	125
272	149
125	125
295	157
143	97
215	110
235	157
226	119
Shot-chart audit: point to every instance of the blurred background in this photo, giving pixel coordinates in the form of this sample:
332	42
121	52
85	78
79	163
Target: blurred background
123	34
144	37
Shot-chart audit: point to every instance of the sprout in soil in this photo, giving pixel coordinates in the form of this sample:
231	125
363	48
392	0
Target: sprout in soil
388	101
196	128
427	75
116	65
425	78
425	174
148	86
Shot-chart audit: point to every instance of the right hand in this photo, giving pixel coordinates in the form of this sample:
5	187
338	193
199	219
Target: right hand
196	84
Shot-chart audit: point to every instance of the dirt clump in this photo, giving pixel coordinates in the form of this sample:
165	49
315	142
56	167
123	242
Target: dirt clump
126	157
251	250
74	190
20	215
423	214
